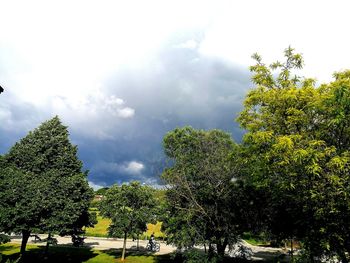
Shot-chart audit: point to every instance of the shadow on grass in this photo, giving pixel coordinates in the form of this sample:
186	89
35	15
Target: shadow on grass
56	254
144	256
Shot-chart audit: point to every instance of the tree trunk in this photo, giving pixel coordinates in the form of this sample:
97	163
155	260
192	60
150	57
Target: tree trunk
210	251
138	239
47	243
221	250
124	247
291	250
221	246
25	237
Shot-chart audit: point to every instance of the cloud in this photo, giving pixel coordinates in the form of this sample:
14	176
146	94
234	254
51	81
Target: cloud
189	44
121	81
133	167
95	186
126	112
119	123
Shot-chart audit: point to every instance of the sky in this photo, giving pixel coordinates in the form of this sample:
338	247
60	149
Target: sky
121	74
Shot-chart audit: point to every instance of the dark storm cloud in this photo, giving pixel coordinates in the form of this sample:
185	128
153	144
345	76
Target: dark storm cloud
178	87
175	88
16	119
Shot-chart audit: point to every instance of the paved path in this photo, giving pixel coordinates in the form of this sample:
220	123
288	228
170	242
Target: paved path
257	252
101	243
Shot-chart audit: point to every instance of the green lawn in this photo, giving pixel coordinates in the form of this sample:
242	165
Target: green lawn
256	240
100	229
58	254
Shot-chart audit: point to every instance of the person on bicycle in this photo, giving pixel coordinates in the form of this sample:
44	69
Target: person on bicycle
152	241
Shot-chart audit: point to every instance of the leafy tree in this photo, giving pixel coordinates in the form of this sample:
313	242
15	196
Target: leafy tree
202	196
4	239
102	191
296	148
130	207
43	186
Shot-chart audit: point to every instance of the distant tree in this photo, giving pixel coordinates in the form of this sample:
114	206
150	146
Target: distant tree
297	149
4	239
43	186
130	207
203	208
101	191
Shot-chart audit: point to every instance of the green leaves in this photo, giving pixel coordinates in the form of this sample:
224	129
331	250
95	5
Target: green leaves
43	186
202	198
297	149
130	207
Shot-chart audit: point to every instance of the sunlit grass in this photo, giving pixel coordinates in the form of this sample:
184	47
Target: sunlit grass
101	228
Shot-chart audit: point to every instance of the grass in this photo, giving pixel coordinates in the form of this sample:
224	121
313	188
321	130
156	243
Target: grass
100	229
58	254
256	240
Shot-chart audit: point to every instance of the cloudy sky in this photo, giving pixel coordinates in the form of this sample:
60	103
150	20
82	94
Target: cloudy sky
121	74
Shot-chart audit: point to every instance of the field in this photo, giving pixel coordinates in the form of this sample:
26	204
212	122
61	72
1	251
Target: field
100	229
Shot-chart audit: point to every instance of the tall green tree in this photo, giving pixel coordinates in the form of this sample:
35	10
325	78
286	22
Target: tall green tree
130	207
202	196
43	186
296	148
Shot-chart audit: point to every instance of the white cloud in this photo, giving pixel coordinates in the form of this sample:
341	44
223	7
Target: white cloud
133	167
94	114
189	44
126	113
242	28
95	186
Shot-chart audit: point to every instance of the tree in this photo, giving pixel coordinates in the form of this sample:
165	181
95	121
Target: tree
43	186
296	148
102	191
202	195
130	207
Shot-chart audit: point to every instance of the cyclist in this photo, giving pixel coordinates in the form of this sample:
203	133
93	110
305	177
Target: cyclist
152	241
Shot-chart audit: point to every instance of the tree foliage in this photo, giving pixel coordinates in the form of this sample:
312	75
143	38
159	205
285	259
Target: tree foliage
130	207
43	186
297	149
204	207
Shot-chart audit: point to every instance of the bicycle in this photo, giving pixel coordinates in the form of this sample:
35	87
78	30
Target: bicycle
155	247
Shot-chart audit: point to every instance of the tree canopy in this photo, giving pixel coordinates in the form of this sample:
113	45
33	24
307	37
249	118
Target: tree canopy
43	186
297	148
130	207
203	203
